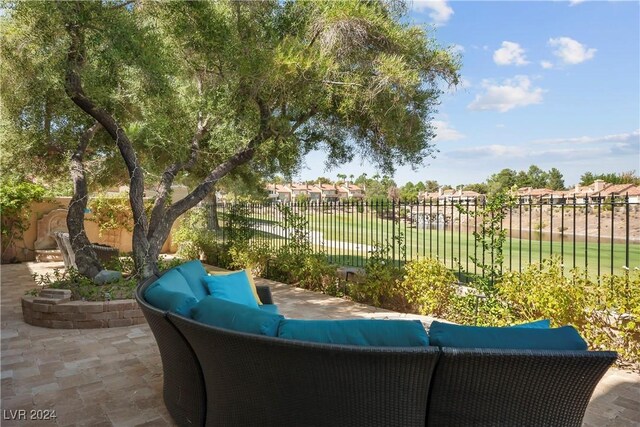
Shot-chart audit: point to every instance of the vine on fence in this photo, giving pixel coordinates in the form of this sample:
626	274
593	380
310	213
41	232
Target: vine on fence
491	237
111	213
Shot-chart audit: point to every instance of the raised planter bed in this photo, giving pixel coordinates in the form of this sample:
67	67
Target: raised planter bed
53	308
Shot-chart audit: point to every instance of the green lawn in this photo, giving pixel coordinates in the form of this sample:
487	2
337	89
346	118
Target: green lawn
348	236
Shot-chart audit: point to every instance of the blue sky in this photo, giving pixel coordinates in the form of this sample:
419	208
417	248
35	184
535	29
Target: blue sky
551	83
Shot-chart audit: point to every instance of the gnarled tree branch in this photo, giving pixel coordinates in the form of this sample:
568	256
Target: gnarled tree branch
74	89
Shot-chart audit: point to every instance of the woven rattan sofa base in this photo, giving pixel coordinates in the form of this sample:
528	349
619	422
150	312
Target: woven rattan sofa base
218	377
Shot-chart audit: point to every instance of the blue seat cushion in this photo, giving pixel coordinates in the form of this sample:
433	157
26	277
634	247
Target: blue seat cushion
270	308
238	317
193	272
461	336
540	324
234	287
171	293
362	332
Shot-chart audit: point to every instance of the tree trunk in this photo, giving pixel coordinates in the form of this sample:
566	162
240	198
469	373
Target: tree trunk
150	235
86	259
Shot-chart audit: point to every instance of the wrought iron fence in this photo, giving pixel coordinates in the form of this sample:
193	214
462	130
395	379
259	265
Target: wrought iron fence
601	235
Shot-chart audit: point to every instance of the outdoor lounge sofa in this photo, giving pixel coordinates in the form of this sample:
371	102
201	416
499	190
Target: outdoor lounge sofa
215	376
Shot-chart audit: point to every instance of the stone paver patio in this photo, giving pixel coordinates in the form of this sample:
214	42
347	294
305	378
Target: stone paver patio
113	377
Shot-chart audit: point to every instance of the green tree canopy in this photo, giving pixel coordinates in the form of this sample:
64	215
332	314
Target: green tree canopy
431	186
502	181
481	188
200	89
555	180
629	177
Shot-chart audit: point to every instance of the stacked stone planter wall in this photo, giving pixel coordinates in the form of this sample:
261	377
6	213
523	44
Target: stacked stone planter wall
53	308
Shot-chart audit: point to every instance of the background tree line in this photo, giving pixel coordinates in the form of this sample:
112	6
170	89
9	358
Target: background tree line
382	187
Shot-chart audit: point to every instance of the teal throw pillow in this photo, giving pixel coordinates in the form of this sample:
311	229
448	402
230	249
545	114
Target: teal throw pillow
234	287
461	336
193	272
362	332
540	324
171	293
237	317
270	308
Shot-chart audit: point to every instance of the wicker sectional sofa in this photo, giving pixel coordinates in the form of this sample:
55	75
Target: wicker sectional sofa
214	376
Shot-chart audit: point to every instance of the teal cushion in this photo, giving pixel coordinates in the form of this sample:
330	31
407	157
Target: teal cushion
540	324
363	332
193	272
171	293
234	287
270	308
238	317
461	336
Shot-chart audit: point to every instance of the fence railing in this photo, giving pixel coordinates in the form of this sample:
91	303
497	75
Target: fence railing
601	236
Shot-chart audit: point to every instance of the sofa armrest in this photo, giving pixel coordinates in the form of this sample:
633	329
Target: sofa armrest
264	292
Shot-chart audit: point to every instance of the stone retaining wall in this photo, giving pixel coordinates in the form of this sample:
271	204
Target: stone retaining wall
54	309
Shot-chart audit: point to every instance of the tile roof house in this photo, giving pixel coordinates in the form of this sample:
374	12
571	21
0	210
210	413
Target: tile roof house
350	191
597	192
452	196
279	192
315	192
533	195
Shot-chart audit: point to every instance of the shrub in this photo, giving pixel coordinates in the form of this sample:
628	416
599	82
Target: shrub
15	198
83	289
429	285
606	313
543	291
379	285
196	241
615	315
256	256
111	213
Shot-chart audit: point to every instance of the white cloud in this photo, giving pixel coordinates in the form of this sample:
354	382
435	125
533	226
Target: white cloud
444	131
575	2
546	64
510	54
440	10
571	51
494	150
620	138
621	146
512	93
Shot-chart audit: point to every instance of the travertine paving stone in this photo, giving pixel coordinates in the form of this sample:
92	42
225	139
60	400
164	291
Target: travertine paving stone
113	377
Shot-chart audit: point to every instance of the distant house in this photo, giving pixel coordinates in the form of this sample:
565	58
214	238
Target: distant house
329	192
350	191
315	192
534	195
601	191
278	192
612	191
452	196
298	190
598	192
634	194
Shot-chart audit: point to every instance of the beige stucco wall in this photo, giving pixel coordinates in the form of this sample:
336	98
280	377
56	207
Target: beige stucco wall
25	250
